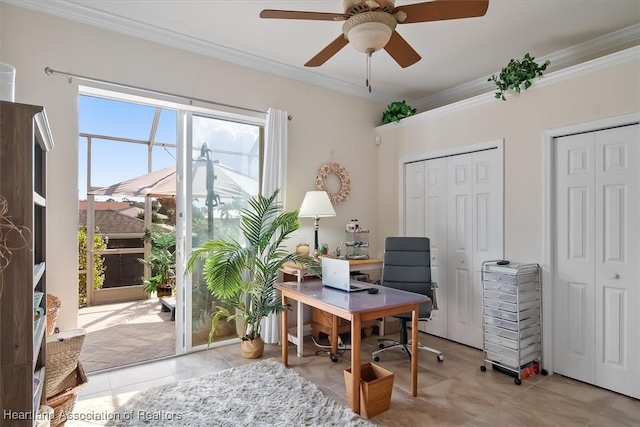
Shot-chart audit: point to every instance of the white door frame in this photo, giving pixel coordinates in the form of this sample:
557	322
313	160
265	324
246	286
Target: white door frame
549	231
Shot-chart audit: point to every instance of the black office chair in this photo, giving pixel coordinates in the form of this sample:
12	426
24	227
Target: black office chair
407	266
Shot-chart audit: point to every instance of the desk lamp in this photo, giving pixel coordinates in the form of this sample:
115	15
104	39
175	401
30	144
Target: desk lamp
316	205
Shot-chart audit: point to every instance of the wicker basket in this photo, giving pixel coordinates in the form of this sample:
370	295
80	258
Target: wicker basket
63	355
64	402
53	305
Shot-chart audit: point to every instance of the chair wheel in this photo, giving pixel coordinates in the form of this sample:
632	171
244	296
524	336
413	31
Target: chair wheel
517	381
333	358
376	358
483	368
440	358
381	345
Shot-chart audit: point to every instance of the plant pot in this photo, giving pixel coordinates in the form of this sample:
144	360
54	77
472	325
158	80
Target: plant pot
164	292
252	349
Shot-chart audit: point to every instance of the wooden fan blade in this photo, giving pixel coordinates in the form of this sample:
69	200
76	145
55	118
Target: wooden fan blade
440	10
325	54
293	14
401	51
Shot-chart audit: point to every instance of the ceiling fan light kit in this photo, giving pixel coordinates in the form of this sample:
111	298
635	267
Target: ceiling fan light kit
369	32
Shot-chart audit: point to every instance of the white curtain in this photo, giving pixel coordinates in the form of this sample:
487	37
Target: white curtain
274	176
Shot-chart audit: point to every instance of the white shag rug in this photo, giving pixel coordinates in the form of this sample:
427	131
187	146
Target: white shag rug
264	393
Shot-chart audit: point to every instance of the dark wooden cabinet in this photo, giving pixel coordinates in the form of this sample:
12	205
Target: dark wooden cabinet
25	139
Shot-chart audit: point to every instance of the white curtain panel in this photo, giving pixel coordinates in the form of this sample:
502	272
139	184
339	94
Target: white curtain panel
274	176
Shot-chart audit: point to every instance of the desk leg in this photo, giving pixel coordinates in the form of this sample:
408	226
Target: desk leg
414	352
355	362
334	334
284	338
300	317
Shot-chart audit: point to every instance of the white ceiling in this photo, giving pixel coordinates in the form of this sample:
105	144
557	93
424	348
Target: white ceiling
457	55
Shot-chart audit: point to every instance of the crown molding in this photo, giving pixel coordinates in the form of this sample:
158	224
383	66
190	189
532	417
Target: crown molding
96	18
621	57
67	10
560	59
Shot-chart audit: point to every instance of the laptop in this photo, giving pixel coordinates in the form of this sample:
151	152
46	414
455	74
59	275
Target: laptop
336	274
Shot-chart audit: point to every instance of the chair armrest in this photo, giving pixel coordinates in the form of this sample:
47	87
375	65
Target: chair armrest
434	298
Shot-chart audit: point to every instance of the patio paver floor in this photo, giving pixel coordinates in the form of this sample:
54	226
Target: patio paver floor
125	333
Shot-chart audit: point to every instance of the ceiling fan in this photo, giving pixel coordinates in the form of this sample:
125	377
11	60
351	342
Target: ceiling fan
370	25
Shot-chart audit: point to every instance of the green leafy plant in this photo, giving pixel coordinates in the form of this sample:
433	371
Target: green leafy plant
99	268
162	258
241	275
517	75
396	111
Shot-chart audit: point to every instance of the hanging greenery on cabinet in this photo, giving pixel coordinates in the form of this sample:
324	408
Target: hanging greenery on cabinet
517	75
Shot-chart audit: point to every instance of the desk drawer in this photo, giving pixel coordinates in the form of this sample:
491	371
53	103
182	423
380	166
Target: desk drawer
512	307
509	362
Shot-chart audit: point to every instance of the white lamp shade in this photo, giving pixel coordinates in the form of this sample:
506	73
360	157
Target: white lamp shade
370	36
316	204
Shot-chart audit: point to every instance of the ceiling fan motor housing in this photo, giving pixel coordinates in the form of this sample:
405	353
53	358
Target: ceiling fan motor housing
369	32
353	7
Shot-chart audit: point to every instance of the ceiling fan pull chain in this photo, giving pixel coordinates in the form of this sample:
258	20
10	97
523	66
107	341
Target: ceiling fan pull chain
369	70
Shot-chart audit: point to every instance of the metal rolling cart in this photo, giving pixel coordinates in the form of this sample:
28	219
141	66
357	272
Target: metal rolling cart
512	319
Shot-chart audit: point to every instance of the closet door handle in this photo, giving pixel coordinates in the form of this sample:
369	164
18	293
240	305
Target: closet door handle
615	276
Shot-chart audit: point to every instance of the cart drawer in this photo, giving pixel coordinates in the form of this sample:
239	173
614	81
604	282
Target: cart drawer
512	307
510	334
511	353
509	279
513	326
514	317
511	343
509	362
510	289
508	297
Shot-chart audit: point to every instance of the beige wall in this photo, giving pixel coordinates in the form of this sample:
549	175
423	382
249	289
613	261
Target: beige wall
326	125
521	121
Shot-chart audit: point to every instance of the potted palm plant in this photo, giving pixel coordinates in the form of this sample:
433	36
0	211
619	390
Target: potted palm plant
241	275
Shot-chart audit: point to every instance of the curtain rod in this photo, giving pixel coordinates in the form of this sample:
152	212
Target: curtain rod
49	71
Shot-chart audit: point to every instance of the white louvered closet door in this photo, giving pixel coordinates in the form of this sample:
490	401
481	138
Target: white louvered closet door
597	278
461	213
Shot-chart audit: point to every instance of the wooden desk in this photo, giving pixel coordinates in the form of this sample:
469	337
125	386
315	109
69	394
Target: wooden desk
297	271
355	307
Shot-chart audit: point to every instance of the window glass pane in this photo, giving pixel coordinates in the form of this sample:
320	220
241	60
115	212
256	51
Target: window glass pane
115	118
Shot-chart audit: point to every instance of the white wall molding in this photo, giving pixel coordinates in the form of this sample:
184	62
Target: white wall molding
560	59
627	55
96	18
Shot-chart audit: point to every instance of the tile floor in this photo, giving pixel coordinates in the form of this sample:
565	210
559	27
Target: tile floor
452	393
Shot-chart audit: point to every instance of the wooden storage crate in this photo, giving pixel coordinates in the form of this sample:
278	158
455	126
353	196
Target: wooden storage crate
376	386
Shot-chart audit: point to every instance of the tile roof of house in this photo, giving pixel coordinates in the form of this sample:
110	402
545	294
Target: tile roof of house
104	206
112	222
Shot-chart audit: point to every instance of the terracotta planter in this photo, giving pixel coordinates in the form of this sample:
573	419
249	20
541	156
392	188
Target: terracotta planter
252	349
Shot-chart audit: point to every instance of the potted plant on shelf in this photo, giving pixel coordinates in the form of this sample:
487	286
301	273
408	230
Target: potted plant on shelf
241	275
517	75
162	260
396	111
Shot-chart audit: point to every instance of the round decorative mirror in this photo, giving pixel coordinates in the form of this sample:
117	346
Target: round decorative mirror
334	179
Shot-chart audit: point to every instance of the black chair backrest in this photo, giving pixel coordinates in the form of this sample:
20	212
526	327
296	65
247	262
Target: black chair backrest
407	264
